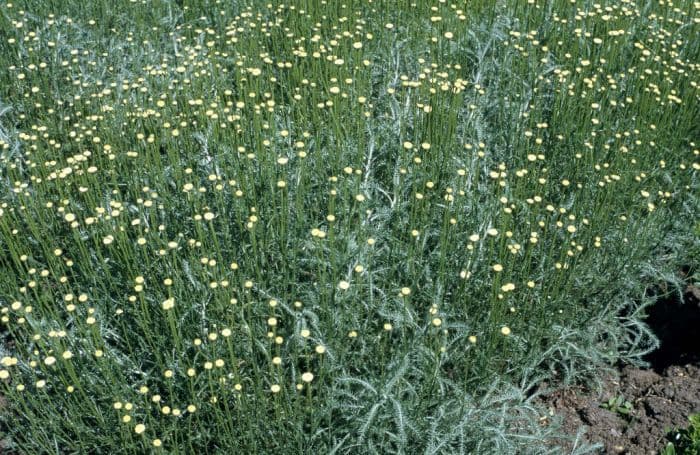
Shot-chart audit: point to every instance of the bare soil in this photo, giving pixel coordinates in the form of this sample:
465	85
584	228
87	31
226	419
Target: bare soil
660	403
662	396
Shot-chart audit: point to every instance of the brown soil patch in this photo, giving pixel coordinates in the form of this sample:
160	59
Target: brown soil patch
660	403
661	397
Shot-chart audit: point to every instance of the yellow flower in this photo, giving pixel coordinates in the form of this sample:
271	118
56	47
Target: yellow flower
140	428
505	330
307	377
508	287
168	304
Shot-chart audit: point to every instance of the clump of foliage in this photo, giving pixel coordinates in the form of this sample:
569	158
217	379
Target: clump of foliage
685	441
618	404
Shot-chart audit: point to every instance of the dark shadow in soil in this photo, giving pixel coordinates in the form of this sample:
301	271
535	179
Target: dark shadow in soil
677	325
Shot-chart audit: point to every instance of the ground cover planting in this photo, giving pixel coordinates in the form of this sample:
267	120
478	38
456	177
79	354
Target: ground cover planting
316	226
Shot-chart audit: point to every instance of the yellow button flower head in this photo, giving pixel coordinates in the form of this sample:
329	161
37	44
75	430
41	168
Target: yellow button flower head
168	304
508	287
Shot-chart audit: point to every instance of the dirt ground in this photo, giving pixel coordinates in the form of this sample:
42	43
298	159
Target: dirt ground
661	397
660	403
